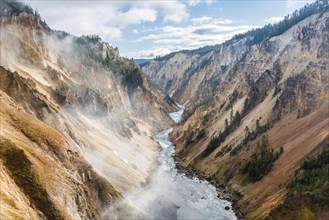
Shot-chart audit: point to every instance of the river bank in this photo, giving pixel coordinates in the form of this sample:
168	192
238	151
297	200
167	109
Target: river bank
171	194
222	191
197	197
194	198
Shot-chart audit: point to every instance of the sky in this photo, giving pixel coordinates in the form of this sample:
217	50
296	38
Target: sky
145	29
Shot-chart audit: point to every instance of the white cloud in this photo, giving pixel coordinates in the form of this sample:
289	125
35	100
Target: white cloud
223	21
107	18
111	19
297	3
291	3
196	2
201	20
134	16
209	20
170	38
173	10
273	19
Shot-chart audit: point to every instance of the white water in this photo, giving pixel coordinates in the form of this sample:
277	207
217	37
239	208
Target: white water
193	198
173	195
177	116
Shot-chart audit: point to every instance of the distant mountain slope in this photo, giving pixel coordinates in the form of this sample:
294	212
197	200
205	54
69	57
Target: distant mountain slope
257	107
174	72
75	133
141	61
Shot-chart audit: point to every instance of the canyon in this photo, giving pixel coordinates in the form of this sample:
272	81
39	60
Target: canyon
240	96
88	134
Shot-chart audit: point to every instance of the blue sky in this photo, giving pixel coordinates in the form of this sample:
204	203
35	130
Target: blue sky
145	29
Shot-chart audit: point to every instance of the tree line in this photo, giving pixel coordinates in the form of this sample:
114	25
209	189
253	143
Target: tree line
270	30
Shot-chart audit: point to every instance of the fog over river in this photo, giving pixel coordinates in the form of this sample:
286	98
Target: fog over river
173	195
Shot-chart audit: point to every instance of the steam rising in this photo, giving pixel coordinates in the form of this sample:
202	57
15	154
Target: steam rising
172	195
115	150
111	141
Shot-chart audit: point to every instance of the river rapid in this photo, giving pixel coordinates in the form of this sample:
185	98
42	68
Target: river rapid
189	198
172	195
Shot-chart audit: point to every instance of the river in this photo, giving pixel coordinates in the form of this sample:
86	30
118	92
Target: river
178	196
172	195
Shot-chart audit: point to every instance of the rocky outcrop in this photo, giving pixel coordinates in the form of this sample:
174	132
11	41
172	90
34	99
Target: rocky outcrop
99	47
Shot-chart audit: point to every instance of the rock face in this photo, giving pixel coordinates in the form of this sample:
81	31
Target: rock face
75	133
242	96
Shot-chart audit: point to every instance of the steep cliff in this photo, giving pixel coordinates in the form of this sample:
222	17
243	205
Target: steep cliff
255	109
75	133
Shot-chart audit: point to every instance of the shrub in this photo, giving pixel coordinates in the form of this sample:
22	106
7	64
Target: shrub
220	138
201	134
250	136
261	163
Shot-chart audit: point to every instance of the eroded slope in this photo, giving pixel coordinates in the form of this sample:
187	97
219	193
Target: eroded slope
255	111
73	114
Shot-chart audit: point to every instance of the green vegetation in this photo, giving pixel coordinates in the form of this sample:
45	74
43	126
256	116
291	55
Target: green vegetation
17	7
206	101
200	51
253	96
224	150
277	89
261	163
195	136
308	192
10	8
235	120
260	34
201	134
88	57
132	79
167	97
205	118
85	55
313	175
105	191
251	135
22	172
233	97
125	70
222	105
